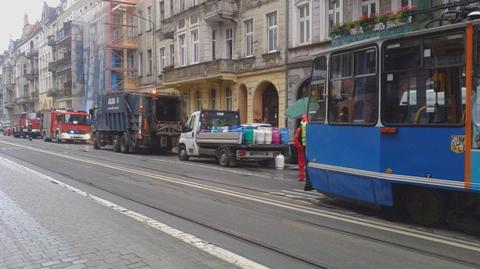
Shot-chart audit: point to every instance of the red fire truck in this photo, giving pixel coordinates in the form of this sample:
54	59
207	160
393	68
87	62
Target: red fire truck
26	124
66	126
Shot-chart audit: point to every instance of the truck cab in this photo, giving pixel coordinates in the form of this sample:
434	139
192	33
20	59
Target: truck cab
188	136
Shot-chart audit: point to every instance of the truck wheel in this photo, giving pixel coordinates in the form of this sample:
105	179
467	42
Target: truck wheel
116	143
426	207
124	143
223	158
45	137
182	153
96	142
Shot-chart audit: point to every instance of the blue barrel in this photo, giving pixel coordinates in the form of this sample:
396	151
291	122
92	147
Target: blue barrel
284	136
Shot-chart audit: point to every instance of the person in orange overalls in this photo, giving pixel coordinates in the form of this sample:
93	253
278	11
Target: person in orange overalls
300	143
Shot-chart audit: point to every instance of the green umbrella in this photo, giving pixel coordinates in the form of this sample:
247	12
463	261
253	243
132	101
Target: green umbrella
298	109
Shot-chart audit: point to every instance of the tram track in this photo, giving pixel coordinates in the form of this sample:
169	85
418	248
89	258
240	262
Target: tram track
386	227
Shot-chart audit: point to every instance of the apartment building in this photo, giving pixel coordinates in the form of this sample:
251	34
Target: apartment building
219	54
8	81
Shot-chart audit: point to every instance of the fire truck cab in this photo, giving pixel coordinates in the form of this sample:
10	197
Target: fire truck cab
66	126
26	124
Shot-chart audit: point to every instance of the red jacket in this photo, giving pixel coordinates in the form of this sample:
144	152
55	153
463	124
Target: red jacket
298	138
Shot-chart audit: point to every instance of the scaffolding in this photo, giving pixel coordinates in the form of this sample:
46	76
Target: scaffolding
106	43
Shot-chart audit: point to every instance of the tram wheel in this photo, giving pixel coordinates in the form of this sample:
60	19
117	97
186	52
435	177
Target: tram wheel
426	207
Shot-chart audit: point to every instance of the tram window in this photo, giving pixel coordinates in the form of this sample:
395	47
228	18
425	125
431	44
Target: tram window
402	56
424	97
444	51
353	99
341	66
317	101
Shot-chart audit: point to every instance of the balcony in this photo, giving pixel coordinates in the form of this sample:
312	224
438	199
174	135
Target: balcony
200	71
65	62
9	104
52	93
125	42
64	33
32	75
52	67
51	40
31	54
167	28
220	11
24	100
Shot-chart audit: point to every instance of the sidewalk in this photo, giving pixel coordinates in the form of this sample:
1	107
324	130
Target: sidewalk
43	225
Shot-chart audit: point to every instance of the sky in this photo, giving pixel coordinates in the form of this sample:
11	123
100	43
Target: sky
11	17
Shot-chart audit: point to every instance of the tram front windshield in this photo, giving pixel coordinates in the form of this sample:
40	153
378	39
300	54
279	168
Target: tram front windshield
424	81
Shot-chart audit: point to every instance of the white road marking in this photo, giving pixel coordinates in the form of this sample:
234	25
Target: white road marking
393	228
190	239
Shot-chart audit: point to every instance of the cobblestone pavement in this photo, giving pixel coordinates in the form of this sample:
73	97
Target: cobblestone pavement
43	225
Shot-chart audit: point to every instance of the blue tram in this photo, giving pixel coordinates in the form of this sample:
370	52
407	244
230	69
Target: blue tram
396	121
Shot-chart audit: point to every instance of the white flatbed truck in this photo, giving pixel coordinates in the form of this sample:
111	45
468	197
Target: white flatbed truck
226	146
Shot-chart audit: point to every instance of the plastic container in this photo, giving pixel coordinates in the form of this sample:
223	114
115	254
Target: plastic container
276	137
280	162
248	135
259	136
285	139
268	136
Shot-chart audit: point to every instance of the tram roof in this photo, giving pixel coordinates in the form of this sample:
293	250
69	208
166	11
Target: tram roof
378	39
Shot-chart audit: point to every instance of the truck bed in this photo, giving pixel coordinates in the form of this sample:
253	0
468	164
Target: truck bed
234	138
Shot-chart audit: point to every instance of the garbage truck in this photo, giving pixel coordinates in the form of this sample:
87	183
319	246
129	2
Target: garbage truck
137	121
219	134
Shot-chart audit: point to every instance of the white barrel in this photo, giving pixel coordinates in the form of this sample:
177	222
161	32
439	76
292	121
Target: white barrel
280	162
259	136
268	135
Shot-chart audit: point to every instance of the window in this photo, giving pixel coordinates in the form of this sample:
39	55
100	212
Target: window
140	22
140	64
172	54
150	62
171	8
476	98
214	44
195	44
430	90
407	3
213	99
194	3
317	101
303	12
183	49
182	5
228	99
229	43
353	88
149	17
161	7
334	13
248	28
162	57
198	100
272	31
369	8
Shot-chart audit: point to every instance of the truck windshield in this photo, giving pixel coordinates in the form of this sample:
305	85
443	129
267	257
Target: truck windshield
77	119
217	119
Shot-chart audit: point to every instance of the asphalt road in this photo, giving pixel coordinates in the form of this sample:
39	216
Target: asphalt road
258	213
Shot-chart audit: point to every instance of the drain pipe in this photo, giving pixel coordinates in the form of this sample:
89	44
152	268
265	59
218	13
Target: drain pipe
287	33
